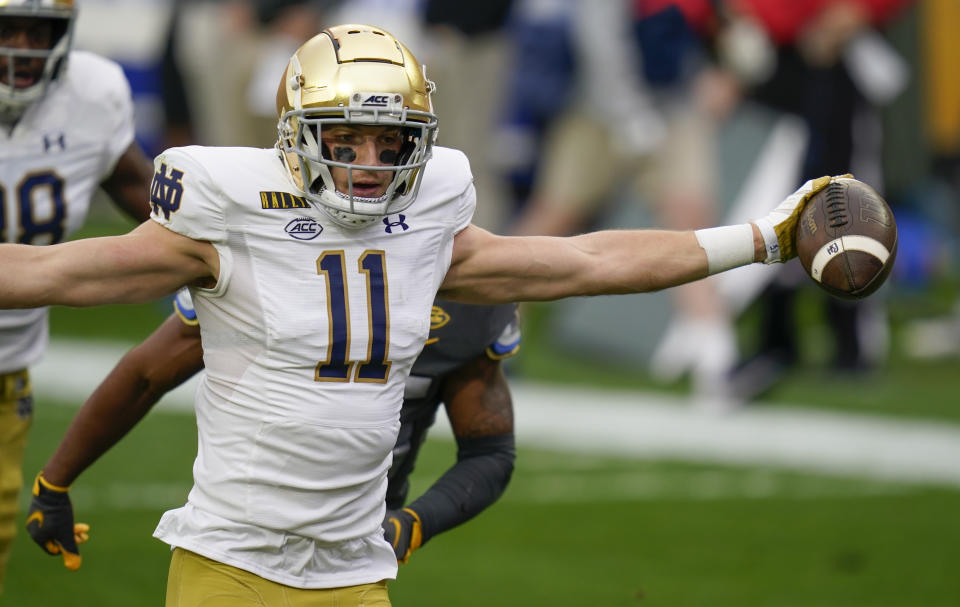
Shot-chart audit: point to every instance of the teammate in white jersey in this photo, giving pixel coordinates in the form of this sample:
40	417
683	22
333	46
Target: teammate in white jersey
313	268
66	128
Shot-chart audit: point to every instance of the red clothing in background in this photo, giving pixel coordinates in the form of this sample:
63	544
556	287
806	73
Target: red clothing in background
784	19
699	14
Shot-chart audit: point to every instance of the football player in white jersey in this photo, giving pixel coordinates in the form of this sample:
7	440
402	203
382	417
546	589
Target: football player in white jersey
313	268
66	128
460	368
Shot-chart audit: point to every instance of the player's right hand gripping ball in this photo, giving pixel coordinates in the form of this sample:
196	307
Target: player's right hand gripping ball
847	239
50	523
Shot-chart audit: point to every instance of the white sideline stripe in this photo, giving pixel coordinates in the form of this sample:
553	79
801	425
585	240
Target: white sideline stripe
639	424
852	242
569	485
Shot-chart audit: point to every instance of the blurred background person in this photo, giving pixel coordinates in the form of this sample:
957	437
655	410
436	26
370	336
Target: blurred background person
465	47
469	57
633	103
830	67
229	53
197	69
931	219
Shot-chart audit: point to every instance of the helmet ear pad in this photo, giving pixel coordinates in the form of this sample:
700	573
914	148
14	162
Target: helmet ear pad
406	152
409	145
59	29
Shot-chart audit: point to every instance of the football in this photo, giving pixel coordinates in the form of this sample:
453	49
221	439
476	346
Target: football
847	239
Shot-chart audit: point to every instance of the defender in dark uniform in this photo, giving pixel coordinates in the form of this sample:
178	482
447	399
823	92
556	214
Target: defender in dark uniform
459	367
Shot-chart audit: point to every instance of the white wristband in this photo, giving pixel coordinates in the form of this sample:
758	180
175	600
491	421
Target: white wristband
727	247
770	241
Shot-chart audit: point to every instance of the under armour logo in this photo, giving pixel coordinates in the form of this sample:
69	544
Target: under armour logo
166	191
48	142
395	224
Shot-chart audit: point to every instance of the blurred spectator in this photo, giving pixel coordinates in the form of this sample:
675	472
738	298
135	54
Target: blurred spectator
468	55
466	49
538	88
928	231
835	71
637	103
264	35
177	113
228	53
133	33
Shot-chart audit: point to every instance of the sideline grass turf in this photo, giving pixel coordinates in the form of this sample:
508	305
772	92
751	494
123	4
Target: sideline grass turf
571	530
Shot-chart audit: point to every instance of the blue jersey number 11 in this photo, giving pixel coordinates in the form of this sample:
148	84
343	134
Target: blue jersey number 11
332	266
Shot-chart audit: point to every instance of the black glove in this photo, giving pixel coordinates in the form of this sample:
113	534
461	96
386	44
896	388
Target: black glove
402	529
50	522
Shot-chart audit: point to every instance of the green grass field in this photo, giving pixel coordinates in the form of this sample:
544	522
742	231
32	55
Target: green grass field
572	530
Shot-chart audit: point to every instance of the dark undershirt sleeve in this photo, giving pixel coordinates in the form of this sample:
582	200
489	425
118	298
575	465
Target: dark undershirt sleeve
480	476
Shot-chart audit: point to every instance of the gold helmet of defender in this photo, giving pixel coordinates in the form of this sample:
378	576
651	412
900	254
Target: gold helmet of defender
356	75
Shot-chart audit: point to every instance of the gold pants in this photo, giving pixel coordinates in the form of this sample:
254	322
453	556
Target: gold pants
196	581
16	415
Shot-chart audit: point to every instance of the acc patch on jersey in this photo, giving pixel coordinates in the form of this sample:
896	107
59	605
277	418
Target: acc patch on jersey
303	228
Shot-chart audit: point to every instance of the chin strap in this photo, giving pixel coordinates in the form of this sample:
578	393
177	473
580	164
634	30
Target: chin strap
350	220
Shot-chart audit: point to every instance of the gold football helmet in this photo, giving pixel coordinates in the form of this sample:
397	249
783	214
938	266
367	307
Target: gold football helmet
355	75
14	62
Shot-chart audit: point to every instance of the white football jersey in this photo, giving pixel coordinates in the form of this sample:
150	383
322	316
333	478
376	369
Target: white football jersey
51	163
308	338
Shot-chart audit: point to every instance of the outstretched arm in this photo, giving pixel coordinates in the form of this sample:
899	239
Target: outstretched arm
480	409
167	358
142	265
496	269
163	361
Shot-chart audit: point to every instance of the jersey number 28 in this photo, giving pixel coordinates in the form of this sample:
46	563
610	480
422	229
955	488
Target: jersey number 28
32	229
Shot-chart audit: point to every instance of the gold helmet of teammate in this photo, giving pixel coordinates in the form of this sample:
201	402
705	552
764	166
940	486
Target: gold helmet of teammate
354	75
35	38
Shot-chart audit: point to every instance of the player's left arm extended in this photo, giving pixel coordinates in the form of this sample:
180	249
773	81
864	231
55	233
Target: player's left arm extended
486	268
497	269
140	266
480	409
129	183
